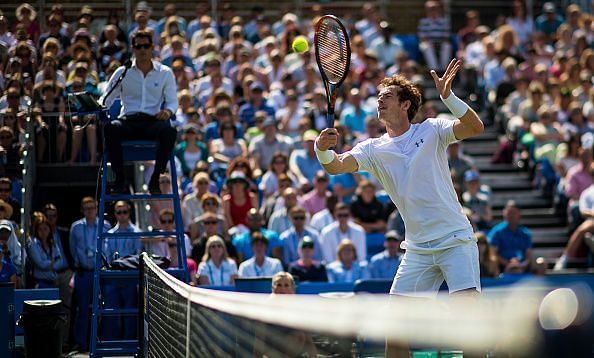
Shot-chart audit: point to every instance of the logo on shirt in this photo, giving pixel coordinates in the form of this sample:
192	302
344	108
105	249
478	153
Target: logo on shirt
418	144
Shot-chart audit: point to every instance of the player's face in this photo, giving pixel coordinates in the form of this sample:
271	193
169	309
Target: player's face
389	108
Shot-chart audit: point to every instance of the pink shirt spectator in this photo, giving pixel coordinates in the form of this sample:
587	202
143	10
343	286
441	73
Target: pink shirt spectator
578	180
312	202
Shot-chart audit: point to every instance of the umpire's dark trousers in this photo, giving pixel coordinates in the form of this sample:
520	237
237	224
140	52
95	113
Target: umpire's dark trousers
139	126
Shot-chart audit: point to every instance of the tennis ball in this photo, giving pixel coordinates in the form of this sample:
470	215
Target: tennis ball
300	44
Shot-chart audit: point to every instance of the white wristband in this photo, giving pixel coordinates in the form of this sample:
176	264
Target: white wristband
455	105
324	156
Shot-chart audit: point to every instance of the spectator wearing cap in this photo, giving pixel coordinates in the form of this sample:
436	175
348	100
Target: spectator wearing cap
434	33
279	164
259	265
476	201
239	200
54	24
263	147
292	237
306	268
383	265
303	162
27	18
256	102
511	241
348	265
190	150
315	200
342	228
11	247
367	210
549	21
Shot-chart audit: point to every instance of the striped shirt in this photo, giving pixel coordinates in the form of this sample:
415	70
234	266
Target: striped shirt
434	30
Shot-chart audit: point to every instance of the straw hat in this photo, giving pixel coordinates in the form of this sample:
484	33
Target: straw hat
19	11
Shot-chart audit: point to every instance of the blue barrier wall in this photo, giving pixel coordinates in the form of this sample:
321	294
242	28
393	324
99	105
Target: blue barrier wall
7	320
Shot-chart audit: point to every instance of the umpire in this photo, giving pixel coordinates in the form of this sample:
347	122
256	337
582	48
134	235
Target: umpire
148	93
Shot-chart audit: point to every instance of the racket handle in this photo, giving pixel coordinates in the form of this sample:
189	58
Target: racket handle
330	120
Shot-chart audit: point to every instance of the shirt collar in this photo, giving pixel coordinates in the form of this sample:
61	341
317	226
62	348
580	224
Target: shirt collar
152	61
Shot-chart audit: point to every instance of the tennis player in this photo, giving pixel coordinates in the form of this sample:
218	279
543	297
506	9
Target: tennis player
411	163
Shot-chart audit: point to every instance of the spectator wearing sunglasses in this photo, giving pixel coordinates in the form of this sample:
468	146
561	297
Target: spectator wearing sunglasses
210	203
294	236
192	203
211	227
120	295
342	228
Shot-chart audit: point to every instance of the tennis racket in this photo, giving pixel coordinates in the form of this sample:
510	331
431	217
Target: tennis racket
333	55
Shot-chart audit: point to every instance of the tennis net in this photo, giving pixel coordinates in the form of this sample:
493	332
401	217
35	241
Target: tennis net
185	321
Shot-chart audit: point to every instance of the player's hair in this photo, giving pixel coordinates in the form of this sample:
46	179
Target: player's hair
406	91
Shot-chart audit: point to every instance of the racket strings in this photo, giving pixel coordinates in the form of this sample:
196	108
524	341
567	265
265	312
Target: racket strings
332	46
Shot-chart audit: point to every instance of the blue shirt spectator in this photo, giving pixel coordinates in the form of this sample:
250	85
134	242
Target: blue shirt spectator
7	272
291	240
122	246
382	265
338	272
511	242
46	263
83	238
243	243
343	185
549	21
303	162
256	102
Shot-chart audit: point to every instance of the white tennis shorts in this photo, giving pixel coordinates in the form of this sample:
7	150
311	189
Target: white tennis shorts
421	273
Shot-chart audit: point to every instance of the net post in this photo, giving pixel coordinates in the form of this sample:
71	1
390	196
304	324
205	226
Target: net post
142	307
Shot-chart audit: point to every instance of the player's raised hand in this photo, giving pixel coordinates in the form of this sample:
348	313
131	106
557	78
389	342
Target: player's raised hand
327	139
444	83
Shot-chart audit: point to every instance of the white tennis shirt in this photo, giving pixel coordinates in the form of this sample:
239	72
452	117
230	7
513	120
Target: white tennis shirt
413	168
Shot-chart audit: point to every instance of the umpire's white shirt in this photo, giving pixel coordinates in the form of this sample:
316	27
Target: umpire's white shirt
413	168
140	93
270	267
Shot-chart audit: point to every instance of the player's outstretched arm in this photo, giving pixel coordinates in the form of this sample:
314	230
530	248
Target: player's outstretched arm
468	124
333	163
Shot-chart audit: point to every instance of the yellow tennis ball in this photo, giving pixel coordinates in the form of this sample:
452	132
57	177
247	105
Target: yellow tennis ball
300	44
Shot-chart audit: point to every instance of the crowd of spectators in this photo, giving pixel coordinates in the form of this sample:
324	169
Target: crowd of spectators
255	199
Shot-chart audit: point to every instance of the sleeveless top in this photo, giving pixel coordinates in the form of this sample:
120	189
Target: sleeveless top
239	213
